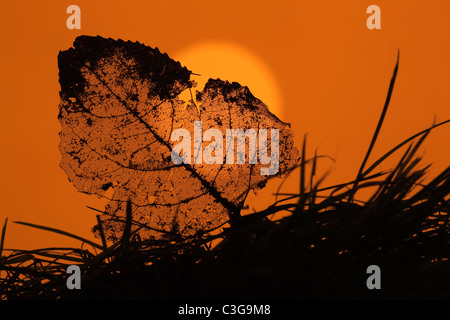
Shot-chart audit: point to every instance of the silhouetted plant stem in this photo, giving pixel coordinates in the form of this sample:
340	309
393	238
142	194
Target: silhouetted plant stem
377	130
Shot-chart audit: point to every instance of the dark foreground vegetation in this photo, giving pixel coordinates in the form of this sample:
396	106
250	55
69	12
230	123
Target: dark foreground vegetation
320	249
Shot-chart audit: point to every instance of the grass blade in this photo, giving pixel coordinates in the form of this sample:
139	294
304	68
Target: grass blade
64	233
102	234
127	230
390	152
302	200
2	241
311	181
377	130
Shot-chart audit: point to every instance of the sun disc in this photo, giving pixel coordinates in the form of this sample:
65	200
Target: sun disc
231	62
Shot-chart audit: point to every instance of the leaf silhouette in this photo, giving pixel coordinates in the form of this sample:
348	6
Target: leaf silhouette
120	105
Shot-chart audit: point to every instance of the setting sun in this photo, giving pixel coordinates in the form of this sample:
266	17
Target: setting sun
232	62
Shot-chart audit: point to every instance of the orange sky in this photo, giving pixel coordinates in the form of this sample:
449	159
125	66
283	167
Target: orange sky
330	71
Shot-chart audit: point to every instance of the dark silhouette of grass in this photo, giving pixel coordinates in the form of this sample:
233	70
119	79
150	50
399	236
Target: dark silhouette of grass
321	249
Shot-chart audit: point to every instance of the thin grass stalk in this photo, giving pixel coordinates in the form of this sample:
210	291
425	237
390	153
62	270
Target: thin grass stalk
313	187
60	257
102	236
416	146
136	223
391	176
289	172
302	200
65	233
335	188
2	240
127	229
438	187
377	130
404	142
